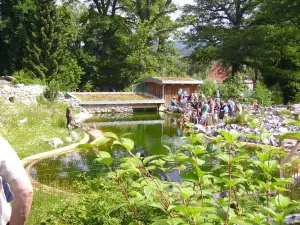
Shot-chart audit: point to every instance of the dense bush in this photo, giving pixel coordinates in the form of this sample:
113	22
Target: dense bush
262	94
23	77
98	201
51	93
277	94
235	87
223	183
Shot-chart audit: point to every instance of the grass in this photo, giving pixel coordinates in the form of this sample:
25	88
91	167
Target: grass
112	97
43	201
44	122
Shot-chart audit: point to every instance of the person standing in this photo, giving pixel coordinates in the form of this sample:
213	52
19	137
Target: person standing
69	115
13	172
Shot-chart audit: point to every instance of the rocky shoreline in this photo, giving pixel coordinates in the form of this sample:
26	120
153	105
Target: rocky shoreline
268	123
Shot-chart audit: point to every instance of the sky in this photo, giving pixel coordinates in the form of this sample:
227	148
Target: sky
180	3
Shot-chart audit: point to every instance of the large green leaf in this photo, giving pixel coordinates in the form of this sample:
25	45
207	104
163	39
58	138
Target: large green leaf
170	221
263	156
102	141
86	146
283	181
188	175
268	211
291	135
224	157
227	136
106	161
103	155
105	158
253	123
281	201
191	211
253	136
110	135
127	143
150	158
230	136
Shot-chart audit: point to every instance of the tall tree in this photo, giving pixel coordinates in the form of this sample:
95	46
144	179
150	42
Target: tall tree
46	48
15	19
218	24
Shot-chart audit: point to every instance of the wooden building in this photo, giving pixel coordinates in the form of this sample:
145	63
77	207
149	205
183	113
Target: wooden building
167	87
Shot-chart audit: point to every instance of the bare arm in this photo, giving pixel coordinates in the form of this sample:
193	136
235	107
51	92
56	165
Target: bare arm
23	193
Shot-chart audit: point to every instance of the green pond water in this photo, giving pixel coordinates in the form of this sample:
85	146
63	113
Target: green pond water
149	131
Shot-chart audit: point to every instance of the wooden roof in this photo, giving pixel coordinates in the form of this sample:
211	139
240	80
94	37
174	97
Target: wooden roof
173	80
218	73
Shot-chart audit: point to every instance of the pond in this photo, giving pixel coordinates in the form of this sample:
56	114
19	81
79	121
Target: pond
149	131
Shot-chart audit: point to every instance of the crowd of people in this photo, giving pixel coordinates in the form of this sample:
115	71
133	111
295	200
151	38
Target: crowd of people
205	110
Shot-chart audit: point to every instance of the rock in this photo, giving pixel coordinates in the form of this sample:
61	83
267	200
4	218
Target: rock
200	128
23	121
55	142
266	142
283	130
69	139
247	130
242	138
273	141
19	85
74	136
234	126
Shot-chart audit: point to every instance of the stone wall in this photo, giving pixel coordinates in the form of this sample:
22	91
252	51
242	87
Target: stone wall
21	93
101	109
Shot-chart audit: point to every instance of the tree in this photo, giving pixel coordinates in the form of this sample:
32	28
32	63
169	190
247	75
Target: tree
15	19
127	42
48	57
219	25
46	48
277	49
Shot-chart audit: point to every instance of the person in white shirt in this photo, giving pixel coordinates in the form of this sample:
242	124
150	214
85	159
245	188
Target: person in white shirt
13	172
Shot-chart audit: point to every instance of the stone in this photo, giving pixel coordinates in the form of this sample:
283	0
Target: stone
55	142
23	121
242	138
283	130
74	136
247	130
234	126
266	142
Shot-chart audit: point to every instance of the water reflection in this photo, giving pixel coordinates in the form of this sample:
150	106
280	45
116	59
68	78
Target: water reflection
151	137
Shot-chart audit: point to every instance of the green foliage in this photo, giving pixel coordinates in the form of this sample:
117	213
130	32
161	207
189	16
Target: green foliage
262	94
234	87
45	121
276	94
51	93
23	77
95	204
69	76
238	119
45	50
209	88
142	197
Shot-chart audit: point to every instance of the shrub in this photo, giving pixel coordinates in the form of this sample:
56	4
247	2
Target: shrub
51	93
262	94
277	94
24	77
238	119
100	202
235	87
209	88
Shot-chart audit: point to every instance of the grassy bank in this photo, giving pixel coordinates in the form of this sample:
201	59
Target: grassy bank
45	122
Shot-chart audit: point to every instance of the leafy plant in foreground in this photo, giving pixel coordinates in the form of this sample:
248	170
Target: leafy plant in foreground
219	179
